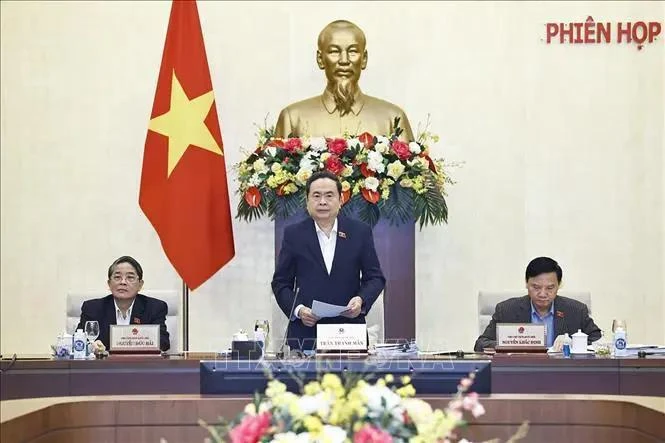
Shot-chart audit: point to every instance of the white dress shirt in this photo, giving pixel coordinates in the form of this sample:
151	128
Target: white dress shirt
327	243
119	318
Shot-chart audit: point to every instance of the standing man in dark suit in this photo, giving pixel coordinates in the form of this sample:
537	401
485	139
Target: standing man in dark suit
125	305
327	258
542	305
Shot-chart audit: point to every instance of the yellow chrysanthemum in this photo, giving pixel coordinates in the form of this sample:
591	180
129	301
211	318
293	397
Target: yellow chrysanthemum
389	378
405	380
331	381
312	388
274	388
312	424
406	391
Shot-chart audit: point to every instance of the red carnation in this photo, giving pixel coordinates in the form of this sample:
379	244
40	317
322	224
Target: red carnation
337	146
401	149
293	144
334	165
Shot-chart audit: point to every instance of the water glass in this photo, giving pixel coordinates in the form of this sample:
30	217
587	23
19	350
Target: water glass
92	330
264	325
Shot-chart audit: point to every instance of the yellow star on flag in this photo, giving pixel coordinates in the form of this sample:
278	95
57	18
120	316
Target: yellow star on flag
184	124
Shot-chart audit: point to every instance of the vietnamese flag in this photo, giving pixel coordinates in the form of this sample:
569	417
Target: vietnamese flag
184	192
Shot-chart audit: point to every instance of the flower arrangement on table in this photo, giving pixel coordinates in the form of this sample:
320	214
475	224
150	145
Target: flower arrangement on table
355	411
382	176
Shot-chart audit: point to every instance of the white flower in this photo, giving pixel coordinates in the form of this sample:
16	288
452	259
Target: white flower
309	404
353	142
372	183
260	166
318	144
276	167
255	180
271	150
383	148
382	139
378	395
414	147
290	437
420	411
303	174
375	162
395	169
307	163
329	434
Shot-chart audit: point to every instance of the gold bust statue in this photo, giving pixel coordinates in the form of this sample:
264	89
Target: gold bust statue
342	108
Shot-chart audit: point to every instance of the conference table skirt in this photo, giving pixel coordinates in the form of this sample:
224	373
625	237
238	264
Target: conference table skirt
26	378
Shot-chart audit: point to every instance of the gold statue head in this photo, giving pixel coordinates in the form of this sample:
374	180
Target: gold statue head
342	55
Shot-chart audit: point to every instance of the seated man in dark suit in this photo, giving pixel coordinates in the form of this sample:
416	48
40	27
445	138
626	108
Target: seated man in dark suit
125	305
542	305
328	258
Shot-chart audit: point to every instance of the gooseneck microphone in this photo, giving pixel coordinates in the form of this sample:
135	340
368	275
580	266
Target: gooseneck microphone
280	353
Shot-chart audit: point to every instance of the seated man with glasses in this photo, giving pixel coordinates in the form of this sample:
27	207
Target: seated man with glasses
560	314
125	305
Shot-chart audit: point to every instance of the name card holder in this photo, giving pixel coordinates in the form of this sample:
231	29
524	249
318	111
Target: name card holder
520	337
341	339
134	339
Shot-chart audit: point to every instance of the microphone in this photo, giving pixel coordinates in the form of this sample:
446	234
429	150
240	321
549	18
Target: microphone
280	353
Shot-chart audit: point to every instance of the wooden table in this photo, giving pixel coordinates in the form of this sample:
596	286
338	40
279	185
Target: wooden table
138	375
559	418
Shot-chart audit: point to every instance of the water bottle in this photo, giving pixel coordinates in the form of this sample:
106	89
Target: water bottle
620	343
80	340
566	345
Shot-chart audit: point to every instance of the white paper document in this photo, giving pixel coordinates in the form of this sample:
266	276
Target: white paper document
321	309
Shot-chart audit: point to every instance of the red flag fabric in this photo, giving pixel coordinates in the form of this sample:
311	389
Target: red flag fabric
184	190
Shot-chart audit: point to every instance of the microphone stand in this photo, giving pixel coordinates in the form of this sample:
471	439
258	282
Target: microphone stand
280	353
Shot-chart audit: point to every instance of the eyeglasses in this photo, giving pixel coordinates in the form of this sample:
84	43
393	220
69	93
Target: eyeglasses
130	278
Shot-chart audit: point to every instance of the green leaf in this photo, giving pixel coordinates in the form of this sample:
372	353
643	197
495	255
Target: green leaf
399	206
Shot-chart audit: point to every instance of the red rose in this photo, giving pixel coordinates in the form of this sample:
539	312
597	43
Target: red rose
337	146
293	144
334	165
401	149
367	139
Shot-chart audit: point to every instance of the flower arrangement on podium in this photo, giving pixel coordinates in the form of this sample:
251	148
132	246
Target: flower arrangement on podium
331	411
381	175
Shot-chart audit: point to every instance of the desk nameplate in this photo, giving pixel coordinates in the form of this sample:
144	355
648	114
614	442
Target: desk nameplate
134	339
341	337
520	337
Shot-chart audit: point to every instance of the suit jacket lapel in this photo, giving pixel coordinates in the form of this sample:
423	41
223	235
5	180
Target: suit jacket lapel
137	311
525	310
341	244
559	319
312	241
109	312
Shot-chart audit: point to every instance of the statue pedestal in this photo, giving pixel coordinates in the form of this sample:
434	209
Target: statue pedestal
395	246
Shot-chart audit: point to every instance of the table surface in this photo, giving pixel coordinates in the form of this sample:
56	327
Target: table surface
10	409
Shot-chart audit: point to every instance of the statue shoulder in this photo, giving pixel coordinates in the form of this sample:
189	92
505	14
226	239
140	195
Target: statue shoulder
303	105
383	105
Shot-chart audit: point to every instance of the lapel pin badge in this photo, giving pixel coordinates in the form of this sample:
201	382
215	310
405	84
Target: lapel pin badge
559	314
137	321
341	234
